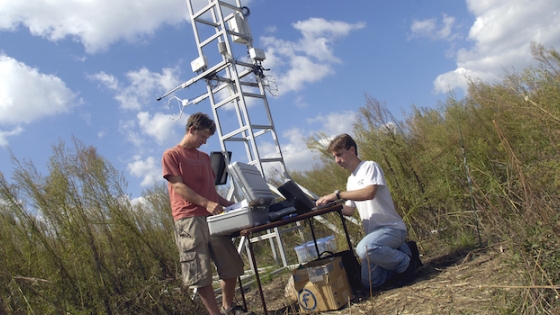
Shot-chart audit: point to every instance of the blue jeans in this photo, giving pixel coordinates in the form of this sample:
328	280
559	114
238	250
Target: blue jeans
383	253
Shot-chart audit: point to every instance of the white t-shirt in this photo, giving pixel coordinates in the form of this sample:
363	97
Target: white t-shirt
379	211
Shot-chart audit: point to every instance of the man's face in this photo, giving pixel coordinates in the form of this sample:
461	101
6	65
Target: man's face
342	157
200	137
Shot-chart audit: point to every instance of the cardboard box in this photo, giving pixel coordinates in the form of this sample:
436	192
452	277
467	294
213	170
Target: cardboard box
322	285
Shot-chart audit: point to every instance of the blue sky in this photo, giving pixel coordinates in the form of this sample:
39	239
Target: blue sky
93	70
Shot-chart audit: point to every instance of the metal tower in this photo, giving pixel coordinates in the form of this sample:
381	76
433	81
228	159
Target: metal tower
236	87
235	82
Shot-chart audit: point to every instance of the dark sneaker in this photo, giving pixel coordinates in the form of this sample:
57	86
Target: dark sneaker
415	253
236	310
406	276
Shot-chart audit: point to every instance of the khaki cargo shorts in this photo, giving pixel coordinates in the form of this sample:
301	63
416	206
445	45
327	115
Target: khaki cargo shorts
197	248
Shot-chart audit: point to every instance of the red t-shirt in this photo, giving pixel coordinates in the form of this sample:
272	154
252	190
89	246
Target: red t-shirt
196	170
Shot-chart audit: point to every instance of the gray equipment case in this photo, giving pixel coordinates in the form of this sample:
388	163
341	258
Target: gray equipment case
259	197
253	187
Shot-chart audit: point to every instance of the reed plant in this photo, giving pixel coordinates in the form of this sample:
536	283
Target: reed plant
474	172
73	243
467	173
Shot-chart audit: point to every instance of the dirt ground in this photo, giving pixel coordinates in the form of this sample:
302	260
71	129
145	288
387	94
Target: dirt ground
474	282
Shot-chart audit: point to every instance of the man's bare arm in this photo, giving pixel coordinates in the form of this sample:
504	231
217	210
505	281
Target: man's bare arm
366	193
348	211
190	195
224	202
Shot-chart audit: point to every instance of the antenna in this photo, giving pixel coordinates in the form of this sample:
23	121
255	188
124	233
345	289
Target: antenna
182	103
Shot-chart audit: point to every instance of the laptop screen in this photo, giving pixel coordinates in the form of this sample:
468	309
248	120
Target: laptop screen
218	161
296	196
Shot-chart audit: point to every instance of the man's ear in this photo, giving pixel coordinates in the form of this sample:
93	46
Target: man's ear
191	130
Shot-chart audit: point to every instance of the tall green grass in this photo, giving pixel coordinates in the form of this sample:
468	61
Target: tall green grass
477	171
72	243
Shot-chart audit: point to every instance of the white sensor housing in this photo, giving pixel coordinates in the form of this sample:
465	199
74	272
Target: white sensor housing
257	54
199	63
237	24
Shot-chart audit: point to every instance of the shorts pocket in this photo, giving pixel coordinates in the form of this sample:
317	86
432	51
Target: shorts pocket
190	268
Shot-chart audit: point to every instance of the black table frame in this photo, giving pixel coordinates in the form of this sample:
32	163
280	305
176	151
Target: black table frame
306	216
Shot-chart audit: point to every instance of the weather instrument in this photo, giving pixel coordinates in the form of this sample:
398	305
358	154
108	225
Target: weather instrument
235	80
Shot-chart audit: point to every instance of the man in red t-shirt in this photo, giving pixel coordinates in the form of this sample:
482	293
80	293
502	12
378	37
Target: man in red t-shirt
193	197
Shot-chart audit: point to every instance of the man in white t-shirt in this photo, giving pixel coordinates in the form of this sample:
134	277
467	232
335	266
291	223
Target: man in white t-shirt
383	251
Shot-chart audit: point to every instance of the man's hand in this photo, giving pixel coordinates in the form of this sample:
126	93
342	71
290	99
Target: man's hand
214	208
326	199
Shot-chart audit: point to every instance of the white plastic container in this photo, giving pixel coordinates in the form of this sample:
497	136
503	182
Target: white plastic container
236	220
307	252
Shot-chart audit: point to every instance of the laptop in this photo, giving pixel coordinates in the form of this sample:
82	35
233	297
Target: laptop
329	204
296	197
300	200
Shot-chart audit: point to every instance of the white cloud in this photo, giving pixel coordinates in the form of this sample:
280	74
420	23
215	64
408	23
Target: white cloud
311	58
159	126
27	95
143	89
337	122
128	129
296	154
300	102
145	86
319	35
149	170
302	70
501	33
102	133
430	28
95	24
108	80
5	134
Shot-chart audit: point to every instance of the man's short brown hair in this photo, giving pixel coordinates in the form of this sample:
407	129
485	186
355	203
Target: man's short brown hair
343	141
201	121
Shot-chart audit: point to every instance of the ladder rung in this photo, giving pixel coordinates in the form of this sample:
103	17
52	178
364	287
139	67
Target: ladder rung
244	64
270	160
244	73
253	95
235	132
251	84
262	132
230	6
261	127
203	21
235	139
210	39
225	101
202	11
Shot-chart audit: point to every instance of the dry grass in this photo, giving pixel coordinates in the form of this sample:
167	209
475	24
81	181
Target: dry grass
476	282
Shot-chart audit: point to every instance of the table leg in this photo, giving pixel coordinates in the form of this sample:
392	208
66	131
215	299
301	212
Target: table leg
314	237
242	293
257	277
345	230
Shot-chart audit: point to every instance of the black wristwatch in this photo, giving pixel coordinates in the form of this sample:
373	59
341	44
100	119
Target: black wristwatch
337	193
